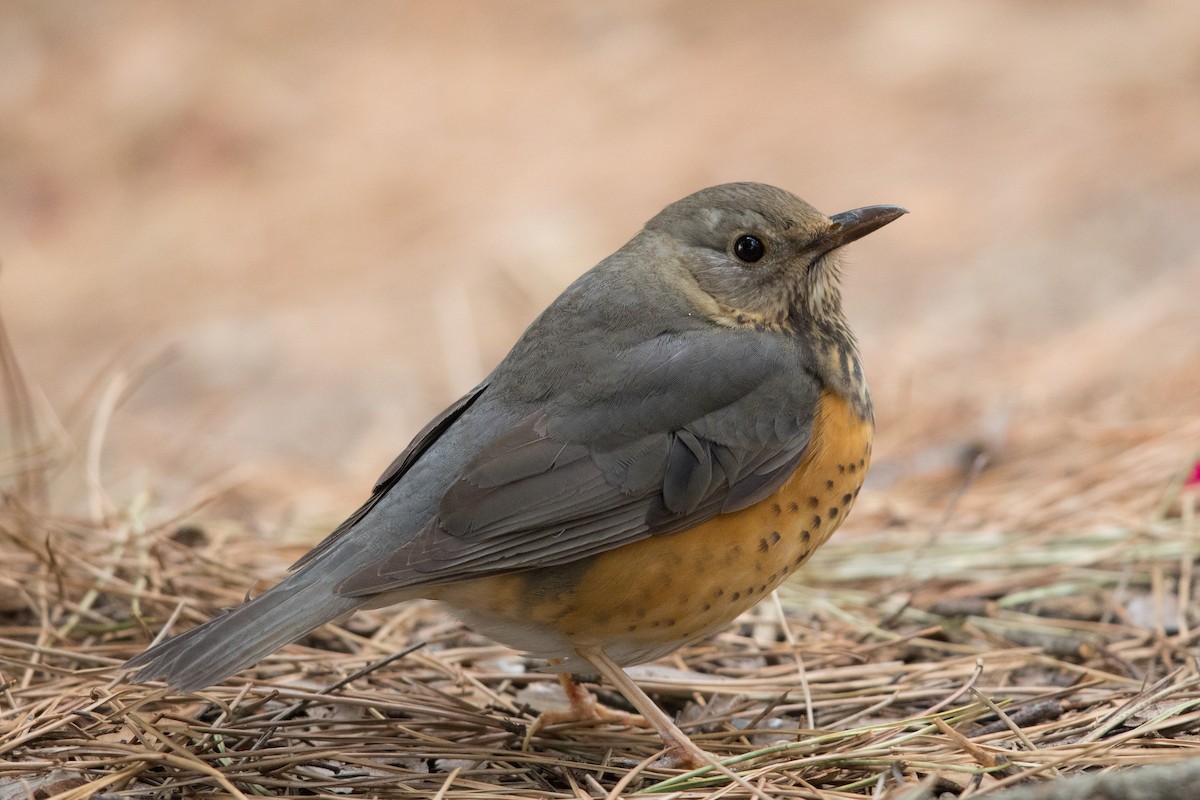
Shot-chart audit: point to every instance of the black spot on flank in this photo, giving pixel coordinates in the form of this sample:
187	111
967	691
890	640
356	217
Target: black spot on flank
805	536
853	468
828	484
762	589
718	592
749	591
735	596
774	537
683	601
816	521
774	576
846	498
793	506
813	502
631	628
655	624
763	546
800	558
670	623
708	606
862	462
786	568
833	512
841	470
758	567
856	491
776	509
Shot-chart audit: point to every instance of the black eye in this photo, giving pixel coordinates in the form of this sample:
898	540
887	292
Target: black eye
749	248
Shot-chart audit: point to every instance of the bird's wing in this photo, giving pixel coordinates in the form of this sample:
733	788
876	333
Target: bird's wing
677	430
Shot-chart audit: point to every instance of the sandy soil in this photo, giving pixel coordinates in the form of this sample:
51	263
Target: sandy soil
296	231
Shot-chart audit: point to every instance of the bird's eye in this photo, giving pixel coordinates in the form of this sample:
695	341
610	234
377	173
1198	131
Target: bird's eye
749	248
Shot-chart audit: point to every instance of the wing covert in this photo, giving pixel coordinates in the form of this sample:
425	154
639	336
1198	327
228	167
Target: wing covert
671	446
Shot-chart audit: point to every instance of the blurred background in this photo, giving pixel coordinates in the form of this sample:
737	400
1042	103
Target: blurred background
277	238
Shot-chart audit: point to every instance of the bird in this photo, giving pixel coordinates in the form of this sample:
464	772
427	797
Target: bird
664	445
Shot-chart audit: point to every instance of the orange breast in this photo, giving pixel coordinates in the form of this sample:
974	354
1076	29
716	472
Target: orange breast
646	598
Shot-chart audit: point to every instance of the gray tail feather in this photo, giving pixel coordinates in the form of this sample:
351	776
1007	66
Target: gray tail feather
222	646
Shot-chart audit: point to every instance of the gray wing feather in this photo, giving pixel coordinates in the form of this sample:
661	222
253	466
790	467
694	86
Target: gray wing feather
303	601
672	445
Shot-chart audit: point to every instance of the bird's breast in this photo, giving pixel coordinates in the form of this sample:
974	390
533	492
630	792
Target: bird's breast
642	600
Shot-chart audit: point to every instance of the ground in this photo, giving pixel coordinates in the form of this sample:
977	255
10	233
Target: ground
245	254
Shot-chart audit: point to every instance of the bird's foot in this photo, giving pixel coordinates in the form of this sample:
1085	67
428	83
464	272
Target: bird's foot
683	755
584	708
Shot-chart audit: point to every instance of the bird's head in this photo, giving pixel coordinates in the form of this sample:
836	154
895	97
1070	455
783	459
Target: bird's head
762	257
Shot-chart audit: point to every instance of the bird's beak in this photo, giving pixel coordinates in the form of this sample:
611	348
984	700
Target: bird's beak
851	225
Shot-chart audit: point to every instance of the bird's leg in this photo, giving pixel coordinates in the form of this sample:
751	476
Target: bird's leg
681	752
584	707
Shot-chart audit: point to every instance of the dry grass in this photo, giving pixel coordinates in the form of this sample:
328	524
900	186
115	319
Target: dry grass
256	203
964	660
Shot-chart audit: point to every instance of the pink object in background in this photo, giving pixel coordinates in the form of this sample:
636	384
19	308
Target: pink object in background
1193	481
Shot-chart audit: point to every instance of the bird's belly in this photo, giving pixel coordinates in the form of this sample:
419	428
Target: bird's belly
645	599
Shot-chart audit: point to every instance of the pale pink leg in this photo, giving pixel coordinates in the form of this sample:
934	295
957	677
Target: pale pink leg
681	751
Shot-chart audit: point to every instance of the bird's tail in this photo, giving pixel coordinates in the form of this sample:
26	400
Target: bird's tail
222	646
